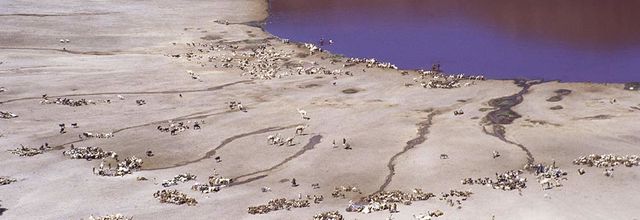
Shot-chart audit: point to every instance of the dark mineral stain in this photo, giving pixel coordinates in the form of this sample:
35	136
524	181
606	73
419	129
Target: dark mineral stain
554	99
211	37
597	117
484	109
308	86
542	122
350	91
557	107
504	115
560	93
563	92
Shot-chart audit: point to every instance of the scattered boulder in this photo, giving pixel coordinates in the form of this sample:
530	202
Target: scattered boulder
174	197
110	217
6	180
331	215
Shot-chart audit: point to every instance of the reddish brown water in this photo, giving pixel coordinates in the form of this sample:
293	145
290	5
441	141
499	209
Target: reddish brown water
568	40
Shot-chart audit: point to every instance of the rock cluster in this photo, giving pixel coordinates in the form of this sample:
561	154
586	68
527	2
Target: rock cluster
193	75
441	81
261	62
174	197
436	213
85	135
30	152
509	180
386	200
438	74
127	166
312	48
88	153
341	190
70	102
441	84
429	215
455	197
331	215
178	178
608	160
110	217
549	176
216	182
233	105
371	63
278	140
7	115
6	180
281	204
176	128
205	188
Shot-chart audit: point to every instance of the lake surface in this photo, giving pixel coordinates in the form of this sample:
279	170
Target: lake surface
567	40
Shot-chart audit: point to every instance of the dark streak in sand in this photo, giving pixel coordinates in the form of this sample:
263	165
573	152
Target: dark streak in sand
560	93
212	152
499	132
192	116
557	107
504	115
309	146
350	91
542	122
308	86
596	117
134	93
423	130
211	37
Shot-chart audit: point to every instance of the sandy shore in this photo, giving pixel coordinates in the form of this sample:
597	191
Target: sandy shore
397	132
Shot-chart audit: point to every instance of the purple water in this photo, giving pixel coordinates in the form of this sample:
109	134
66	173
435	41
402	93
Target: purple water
567	40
